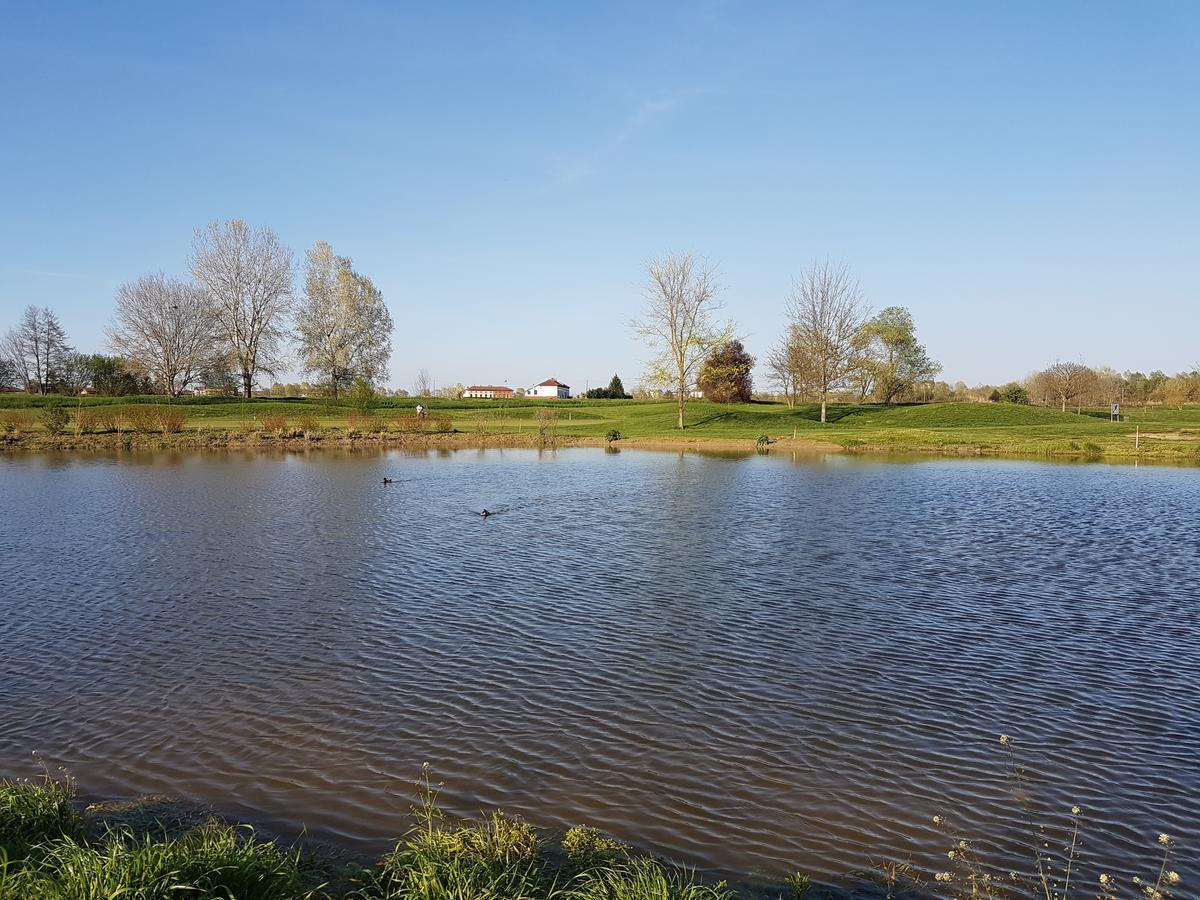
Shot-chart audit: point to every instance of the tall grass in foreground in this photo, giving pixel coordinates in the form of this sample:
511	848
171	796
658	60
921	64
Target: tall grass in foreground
1054	868
46	853
33	813
214	861
503	857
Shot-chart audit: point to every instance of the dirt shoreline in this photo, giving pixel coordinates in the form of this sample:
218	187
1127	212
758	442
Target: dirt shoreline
221	439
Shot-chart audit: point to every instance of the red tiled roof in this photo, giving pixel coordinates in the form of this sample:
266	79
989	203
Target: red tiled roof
488	387
553	382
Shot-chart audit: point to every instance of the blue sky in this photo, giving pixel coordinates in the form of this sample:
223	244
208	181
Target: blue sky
1024	177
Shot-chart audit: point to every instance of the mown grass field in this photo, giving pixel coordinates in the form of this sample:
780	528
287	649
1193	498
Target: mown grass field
1166	433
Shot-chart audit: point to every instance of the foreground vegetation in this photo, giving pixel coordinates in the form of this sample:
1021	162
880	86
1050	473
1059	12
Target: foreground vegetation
50	849
1001	429
47	850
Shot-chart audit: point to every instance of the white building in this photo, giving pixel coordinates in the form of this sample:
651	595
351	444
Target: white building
550	389
489	392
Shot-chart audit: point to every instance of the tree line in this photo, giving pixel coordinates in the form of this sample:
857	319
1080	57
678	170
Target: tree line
834	347
1073	384
832	341
238	317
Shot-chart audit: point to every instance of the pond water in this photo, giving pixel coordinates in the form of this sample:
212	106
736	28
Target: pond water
744	663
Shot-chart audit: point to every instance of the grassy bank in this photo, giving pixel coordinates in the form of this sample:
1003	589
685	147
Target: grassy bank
1150	433
51	849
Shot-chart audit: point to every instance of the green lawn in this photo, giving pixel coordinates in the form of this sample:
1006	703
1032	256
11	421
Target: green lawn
987	428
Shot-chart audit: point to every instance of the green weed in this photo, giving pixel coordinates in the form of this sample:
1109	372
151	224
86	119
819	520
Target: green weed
34	812
586	847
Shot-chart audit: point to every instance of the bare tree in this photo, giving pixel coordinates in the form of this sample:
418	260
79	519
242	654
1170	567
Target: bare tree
247	277
790	367
37	347
423	387
1069	380
343	326
828	316
12	350
1108	386
780	369
166	327
681	292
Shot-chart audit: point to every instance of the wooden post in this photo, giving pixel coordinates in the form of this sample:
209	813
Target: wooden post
1137	438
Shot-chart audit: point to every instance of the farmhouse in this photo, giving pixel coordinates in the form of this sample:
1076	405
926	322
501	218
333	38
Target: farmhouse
551	389
488	391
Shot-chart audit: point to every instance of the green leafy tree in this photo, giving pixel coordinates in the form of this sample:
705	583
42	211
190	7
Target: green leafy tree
614	391
9	376
1136	387
894	360
361	396
725	375
111	377
1014	393
55	418
1155	383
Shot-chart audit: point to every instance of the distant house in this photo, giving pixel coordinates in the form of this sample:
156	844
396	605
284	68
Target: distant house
550	389
488	392
212	392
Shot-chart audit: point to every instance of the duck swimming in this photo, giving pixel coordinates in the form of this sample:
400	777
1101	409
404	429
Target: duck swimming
389	481
485	513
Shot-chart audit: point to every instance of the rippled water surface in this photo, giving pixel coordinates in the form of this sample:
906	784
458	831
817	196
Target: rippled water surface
744	663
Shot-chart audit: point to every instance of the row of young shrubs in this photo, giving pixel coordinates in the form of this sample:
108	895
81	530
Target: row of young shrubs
358	424
149	419
96	420
46	852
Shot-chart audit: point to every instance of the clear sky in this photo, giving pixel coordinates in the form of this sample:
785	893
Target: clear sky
1024	177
